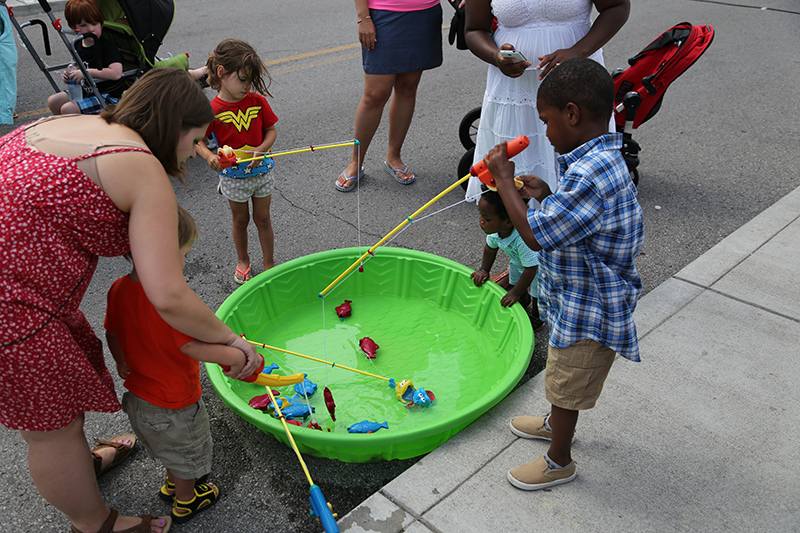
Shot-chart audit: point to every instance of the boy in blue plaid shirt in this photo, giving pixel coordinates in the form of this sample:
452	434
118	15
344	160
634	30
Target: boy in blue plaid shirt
589	232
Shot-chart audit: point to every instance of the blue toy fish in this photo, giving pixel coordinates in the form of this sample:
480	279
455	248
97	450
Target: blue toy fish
293	412
270	368
365	426
306	387
423	398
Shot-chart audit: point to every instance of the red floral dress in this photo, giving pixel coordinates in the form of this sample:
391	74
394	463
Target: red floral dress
54	223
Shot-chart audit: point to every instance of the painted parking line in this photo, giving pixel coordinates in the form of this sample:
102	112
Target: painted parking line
281	70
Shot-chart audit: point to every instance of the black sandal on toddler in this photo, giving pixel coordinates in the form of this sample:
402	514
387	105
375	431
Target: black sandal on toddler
205	495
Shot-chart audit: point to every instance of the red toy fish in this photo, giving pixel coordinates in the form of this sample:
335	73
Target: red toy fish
263	402
369	347
344	309
329	403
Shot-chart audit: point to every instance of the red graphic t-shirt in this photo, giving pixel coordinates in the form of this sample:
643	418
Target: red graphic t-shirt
241	125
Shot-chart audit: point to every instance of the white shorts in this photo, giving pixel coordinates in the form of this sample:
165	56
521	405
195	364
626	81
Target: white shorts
242	189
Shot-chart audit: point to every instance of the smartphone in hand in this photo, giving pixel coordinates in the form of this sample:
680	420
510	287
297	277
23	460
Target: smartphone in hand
513	54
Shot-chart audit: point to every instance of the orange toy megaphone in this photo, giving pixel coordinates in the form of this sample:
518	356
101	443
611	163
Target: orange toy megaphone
514	147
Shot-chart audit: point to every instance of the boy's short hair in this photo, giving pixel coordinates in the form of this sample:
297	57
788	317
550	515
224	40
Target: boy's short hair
77	11
493	199
582	81
187	227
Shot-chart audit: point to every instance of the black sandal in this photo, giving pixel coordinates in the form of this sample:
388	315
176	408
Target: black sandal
205	495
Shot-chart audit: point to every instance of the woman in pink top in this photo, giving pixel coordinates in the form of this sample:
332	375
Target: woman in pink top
400	39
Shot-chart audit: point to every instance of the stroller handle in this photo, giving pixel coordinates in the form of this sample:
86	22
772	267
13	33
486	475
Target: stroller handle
45	6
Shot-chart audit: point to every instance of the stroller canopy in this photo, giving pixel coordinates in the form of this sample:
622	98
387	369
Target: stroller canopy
149	20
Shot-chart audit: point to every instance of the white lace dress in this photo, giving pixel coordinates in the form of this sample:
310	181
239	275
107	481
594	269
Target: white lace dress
535	28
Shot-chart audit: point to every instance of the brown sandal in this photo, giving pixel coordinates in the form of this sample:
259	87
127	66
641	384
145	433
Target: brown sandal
122	452
143	527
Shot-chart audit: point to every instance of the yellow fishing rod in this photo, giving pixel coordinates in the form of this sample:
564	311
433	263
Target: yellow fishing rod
309	148
268	347
403	224
478	170
320	508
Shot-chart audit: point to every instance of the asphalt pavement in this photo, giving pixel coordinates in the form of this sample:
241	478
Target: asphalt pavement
698	436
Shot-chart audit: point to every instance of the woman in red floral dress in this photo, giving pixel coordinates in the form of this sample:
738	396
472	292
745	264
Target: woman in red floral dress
74	188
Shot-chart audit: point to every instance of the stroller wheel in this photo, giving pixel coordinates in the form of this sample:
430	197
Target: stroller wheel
465	164
468	129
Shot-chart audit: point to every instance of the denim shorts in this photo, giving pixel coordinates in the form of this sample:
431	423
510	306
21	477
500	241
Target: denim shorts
179	438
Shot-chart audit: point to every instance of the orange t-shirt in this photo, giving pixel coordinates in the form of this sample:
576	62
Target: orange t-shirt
160	373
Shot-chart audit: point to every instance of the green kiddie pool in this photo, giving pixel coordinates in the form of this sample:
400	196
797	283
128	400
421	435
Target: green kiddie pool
432	325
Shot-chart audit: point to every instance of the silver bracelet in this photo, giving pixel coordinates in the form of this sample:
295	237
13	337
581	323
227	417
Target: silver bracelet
367	17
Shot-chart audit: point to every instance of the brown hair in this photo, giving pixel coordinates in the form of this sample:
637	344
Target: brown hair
161	106
235	55
79	10
187	227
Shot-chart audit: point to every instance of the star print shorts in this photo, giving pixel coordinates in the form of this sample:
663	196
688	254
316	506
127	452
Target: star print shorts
242	189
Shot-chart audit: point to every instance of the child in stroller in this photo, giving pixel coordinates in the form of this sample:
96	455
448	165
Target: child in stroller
101	57
137	27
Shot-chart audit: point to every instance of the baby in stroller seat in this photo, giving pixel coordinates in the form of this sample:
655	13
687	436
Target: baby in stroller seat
100	55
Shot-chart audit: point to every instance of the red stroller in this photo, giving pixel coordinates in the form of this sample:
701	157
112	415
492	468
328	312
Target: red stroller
640	88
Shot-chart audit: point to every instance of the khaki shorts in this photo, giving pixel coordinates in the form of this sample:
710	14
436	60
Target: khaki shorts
574	375
179	438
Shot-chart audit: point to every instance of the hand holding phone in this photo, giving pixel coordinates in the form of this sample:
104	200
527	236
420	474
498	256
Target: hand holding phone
513	54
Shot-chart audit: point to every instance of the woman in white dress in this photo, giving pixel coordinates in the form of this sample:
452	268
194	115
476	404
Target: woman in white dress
547	32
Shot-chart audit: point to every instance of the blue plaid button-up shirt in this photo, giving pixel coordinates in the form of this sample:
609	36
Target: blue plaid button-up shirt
591	231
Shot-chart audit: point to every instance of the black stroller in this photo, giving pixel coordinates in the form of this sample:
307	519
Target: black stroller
137	28
639	89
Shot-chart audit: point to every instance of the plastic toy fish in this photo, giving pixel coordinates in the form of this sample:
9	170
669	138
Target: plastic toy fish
269	369
264	402
329	403
369	347
422	398
295	411
344	310
365	426
306	388
313	425
407	394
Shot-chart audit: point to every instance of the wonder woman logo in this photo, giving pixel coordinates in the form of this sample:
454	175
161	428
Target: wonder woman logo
241	119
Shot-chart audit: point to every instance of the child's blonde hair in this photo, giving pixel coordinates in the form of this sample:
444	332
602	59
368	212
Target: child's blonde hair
235	55
187	227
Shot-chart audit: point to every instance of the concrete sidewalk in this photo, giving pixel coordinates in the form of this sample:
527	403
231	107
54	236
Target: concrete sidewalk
700	436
